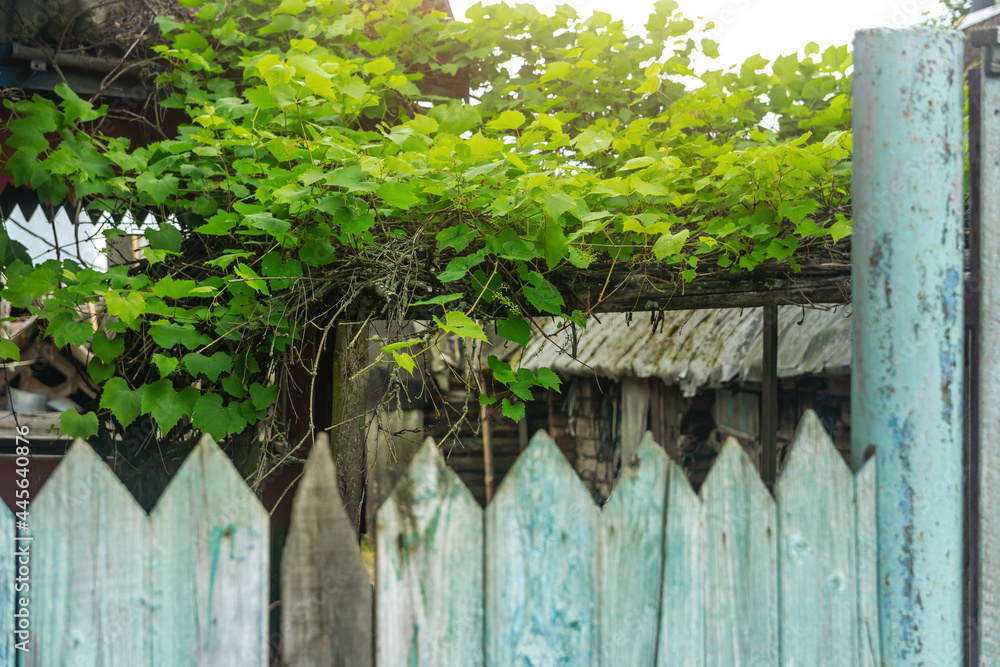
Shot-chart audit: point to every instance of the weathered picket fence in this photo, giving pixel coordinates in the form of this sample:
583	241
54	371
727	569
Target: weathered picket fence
659	576
814	576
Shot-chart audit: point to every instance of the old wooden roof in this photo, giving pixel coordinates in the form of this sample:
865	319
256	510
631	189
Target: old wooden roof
697	348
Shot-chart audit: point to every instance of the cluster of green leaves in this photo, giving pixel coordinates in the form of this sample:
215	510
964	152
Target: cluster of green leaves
318	134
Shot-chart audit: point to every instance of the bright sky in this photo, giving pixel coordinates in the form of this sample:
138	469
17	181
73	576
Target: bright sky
768	27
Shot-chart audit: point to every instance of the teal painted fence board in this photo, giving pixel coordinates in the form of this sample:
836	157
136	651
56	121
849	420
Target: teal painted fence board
541	564
660	576
8	567
89	596
429	569
741	564
210	567
682	610
869	646
631	559
816	562
326	592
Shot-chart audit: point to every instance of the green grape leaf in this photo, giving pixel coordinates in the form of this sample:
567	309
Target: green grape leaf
513	411
210	416
9	350
170	335
211	367
167	406
461	324
515	329
127	306
100	371
107	349
548	379
263	397
542	294
159	188
438	300
398	195
77	425
167	287
164	364
167	238
507	120
405	361
123	402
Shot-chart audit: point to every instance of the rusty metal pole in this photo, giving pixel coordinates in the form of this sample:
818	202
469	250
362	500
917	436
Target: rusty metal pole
906	384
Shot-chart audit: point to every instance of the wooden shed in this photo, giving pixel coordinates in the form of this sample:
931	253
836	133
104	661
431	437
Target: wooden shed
692	378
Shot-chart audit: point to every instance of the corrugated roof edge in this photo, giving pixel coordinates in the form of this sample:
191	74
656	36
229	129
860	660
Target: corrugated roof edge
698	348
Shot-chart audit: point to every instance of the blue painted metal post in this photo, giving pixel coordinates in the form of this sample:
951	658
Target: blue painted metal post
906	386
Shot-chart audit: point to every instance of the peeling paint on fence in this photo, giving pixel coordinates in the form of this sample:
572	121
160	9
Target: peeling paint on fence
429	560
906	394
89	578
543	577
209	566
541	564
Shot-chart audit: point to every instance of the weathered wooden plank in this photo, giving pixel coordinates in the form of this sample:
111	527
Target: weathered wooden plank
90	552
816	552
869	646
988	367
541	564
389	455
815	284
8	568
326	593
349	391
769	397
209	567
682	611
664	289
741	564
631	559
429	569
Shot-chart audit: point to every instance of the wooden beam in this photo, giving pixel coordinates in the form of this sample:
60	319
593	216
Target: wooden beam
594	291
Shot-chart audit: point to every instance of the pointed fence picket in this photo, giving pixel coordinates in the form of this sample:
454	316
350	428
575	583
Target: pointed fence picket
660	576
429	560
631	559
210	566
8	569
682	610
541	564
741	564
89	576
866	549
326	593
816	517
